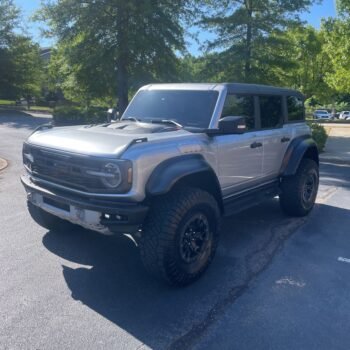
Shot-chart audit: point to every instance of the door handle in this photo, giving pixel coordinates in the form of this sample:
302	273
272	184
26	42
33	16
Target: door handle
256	145
285	139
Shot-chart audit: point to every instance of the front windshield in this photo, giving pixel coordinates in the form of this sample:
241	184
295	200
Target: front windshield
192	109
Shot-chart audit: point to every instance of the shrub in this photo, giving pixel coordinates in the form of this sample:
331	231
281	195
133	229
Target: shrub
319	134
70	115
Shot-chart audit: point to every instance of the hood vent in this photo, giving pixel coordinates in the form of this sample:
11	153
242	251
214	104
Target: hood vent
141	128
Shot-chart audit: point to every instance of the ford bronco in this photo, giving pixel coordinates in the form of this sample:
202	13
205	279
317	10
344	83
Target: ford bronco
181	157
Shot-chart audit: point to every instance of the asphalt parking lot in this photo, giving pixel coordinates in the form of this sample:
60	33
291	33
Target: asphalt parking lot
276	282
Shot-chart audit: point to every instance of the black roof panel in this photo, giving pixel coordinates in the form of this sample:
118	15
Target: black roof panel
241	88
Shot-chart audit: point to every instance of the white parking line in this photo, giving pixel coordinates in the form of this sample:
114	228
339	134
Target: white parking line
346	260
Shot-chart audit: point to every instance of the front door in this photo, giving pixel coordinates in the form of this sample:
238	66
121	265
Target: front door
240	161
240	156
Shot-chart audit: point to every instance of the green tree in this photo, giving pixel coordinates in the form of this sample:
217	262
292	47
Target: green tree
114	45
20	72
307	63
337	44
9	18
27	68
244	29
9	14
343	6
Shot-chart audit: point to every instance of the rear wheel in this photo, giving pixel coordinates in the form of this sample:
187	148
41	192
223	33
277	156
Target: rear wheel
300	190
45	219
180	236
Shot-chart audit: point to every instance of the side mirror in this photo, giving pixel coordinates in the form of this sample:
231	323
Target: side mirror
229	125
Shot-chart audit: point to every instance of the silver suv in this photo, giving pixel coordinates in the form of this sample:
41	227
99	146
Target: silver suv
181	157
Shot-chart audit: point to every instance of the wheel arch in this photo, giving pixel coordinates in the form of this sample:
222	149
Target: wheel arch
185	170
300	148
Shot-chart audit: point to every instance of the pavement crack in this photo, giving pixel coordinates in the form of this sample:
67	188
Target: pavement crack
256	262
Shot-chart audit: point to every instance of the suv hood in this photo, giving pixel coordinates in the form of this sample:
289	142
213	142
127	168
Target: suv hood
102	140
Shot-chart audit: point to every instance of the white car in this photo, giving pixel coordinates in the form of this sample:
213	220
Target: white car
344	115
322	114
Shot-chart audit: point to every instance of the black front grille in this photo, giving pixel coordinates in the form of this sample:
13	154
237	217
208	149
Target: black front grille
66	169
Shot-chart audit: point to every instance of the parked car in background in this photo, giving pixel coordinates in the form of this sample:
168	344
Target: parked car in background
344	115
322	114
334	115
21	102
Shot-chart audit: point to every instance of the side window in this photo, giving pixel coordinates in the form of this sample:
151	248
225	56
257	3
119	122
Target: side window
295	108
270	111
242	106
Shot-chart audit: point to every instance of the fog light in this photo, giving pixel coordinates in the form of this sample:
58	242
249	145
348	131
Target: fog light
114	217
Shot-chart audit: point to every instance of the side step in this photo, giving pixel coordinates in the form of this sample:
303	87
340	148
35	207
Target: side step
242	201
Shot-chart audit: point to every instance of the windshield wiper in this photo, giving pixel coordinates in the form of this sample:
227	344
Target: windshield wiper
167	121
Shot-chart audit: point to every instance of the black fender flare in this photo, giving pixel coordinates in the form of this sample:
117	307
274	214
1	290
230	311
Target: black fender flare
171	171
296	151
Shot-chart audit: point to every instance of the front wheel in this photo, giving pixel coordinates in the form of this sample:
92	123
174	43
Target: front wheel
180	236
300	190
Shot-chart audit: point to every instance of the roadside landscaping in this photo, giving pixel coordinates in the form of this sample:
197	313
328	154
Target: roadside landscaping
8	104
319	134
337	148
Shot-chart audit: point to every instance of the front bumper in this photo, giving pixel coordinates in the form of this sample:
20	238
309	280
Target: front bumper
103	216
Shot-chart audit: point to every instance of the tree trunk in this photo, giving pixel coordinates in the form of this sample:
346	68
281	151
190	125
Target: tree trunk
248	48
122	59
122	81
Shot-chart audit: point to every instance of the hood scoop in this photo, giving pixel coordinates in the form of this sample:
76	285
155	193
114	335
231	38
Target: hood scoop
141	128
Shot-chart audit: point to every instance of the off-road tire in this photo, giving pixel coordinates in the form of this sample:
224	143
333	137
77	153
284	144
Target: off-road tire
293	188
164	239
45	219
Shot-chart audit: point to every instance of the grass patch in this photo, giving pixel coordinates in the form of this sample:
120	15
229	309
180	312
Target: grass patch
7	102
41	108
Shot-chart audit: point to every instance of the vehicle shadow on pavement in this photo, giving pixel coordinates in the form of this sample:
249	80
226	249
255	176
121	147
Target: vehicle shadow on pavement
22	120
115	284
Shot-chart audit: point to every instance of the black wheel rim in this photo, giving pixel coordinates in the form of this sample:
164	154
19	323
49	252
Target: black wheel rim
309	188
194	238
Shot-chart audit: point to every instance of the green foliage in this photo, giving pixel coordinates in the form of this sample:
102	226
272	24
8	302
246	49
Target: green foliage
343	7
306	62
245	40
337	44
71	115
9	18
20	73
27	75
107	47
319	134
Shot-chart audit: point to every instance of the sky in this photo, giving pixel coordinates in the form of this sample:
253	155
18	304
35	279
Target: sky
313	17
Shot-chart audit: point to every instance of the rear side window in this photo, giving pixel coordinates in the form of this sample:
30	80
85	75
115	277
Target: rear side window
270	111
295	108
240	106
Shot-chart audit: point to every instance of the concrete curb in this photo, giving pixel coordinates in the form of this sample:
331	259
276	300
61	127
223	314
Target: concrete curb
3	164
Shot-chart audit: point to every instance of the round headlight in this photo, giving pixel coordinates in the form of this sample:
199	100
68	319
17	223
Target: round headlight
112	176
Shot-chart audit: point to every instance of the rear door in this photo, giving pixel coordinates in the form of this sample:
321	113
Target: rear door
276	136
240	156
